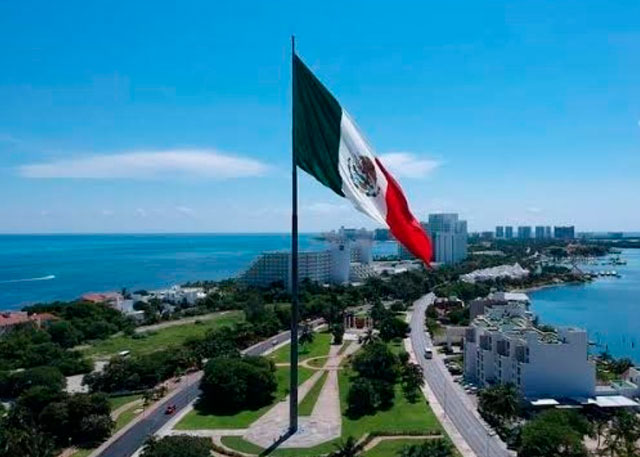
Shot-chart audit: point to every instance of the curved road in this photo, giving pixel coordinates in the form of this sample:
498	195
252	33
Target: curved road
134	438
456	404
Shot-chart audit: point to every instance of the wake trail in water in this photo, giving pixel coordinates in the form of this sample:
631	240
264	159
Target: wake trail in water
42	278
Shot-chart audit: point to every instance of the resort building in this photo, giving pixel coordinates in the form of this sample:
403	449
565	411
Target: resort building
348	259
504	346
510	300
514	271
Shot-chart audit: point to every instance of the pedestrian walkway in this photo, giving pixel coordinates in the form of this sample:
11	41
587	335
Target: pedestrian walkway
325	422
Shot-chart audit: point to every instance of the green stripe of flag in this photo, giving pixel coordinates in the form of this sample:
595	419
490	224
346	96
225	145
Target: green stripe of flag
316	135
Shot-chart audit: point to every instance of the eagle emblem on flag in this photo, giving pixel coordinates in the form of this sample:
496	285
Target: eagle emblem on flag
363	174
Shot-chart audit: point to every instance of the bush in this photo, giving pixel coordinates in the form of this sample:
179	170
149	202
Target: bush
235	384
178	446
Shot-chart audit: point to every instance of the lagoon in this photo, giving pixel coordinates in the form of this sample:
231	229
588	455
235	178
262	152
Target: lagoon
608	308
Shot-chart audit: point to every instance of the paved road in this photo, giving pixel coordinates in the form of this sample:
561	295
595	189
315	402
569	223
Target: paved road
135	437
456	404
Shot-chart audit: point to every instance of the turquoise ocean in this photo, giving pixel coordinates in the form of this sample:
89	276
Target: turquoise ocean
38	268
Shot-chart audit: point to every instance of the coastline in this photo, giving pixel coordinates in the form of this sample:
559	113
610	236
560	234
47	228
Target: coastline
529	290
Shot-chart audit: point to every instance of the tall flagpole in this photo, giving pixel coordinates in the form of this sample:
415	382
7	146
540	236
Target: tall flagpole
293	386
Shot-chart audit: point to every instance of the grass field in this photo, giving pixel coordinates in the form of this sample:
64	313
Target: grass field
82	453
309	401
159	339
402	417
319	347
317	362
389	448
117	402
201	420
127	416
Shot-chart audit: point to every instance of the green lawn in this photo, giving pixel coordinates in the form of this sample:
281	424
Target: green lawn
201	420
403	417
309	401
317	362
151	341
117	402
82	453
127	416
389	448
318	348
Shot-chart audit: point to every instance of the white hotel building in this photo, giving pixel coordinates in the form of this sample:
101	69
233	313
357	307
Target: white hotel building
347	259
503	346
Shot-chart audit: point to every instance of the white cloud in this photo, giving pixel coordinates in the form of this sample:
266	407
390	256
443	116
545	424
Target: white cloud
185	210
140	212
407	165
534	210
106	212
149	164
325	208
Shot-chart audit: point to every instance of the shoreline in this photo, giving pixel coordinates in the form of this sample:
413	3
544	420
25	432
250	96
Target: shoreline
529	290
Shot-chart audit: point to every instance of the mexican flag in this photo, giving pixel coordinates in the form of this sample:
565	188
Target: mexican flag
329	146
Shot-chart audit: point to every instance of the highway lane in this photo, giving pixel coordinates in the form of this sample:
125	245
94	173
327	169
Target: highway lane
457	406
135	437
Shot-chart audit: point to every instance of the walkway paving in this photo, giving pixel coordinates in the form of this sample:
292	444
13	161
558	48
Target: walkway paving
325	422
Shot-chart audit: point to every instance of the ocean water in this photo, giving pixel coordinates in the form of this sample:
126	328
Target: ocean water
608	308
37	268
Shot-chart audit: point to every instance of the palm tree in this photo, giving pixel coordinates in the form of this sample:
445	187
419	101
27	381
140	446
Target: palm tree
369	337
347	448
306	334
622	436
499	404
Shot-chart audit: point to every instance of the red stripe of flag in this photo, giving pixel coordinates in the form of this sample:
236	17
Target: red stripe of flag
403	225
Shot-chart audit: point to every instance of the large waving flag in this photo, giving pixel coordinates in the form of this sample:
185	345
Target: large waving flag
329	146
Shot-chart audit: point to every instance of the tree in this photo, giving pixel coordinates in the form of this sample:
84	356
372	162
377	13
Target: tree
499	404
376	361
44	376
64	333
622	435
238	384
362	397
429	448
337	330
554	433
412	381
177	446
347	448
391	327
20	436
94	429
306	334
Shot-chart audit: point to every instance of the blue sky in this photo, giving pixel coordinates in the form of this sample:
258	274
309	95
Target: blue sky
175	116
